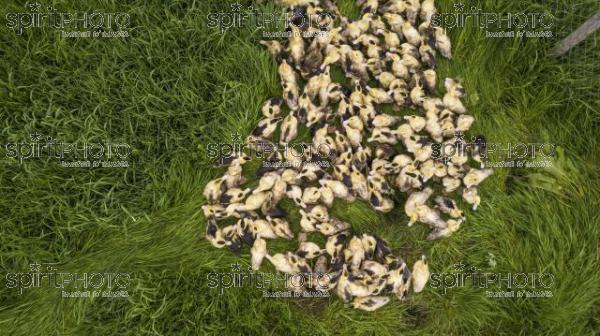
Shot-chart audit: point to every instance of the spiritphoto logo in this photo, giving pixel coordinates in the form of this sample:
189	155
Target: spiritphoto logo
82	284
295	283
496	24
251	18
517	284
497	155
85	24
71	154
294	154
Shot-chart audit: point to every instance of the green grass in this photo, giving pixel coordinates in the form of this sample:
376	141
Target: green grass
175	85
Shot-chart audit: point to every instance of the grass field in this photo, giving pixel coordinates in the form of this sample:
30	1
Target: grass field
175	85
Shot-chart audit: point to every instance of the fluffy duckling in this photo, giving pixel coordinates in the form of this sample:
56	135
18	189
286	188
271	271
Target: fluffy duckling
234	195
411	34
453	226
383	135
354	253
262	228
309	250
272	107
475	176
414	200
420	274
450	184
335	244
448	206
380	203
216	211
471	196
214	189
214	235
427	10
258	252
281	228
442	42
430	80
417	94
289	129
417	123
281	262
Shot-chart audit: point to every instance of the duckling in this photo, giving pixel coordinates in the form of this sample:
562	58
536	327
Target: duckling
385	79
234	195
342	284
309	250
214	189
356	65
379	96
471	196
299	264
370	303
395	7
430	216
391	40
416	123
475	176
450	184
369	244
296	45
412	10
420	274
258	252
307	224
464	122
339	189
216	211
335	244
414	200
262	228
384	120
287	73
399	68
417	95
354	253
214	235
442	42
427	10
311	195
412	63
267	182
256	200
281	228
395	21
411	34
409	178
281	262
332	56
383	135
454	103
369	6
359	183
319	213
453	226
448	206
342	143
430	80
289	129
377	181
290	95
427	168
273	47
380	203
375	66
272	107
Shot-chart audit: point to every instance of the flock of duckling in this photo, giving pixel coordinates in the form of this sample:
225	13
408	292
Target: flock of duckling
389	57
